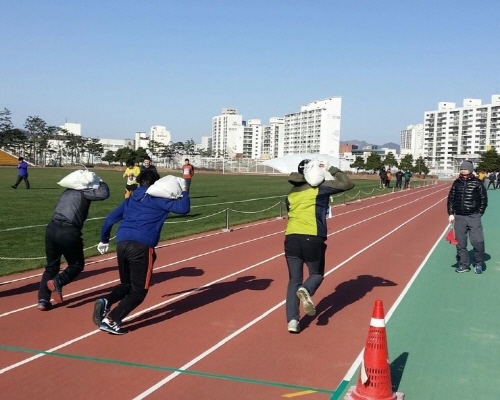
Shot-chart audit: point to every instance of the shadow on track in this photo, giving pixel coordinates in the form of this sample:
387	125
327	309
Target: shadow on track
346	293
199	298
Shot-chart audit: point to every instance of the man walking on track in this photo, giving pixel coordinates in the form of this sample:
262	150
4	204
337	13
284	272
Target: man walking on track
142	217
306	233
467	202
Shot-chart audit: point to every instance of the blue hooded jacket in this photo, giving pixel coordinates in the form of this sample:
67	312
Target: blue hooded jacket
142	217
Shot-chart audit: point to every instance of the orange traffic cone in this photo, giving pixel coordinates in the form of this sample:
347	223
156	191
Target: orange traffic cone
374	381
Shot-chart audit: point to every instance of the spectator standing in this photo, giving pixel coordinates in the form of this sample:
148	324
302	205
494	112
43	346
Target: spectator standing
63	237
399	179
492	180
131	173
407	175
467	202
142	217
147	166
388	177
187	173
382	174
482	175
22	174
305	238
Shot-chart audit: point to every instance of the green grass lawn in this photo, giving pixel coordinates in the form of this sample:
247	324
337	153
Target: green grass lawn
25	213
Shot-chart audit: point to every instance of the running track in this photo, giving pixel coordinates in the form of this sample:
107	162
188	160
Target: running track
213	324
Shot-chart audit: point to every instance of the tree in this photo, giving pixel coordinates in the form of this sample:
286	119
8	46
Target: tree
93	148
420	166
359	163
190	148
373	162
5	125
489	161
390	160
406	163
141	153
109	157
37	129
124	154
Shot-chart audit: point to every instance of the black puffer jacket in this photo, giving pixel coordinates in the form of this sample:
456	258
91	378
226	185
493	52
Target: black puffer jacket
467	197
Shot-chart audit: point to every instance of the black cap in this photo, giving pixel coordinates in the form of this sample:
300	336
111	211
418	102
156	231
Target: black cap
301	166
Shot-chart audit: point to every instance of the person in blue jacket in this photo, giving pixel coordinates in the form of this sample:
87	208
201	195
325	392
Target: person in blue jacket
22	174
142	217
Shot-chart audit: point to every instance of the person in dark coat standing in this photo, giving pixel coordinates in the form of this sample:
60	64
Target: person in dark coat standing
22	174
467	202
399	179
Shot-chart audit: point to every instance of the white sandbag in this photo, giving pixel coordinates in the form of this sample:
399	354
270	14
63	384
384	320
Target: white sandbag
315	172
167	187
79	180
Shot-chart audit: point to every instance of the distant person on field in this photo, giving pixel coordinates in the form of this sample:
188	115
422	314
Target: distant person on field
306	234
22	174
131	173
467	202
498	179
382	174
63	237
482	175
407	176
141	218
492	180
187	173
388	177
147	166
399	179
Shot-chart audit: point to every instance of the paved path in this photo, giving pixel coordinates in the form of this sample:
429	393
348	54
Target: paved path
444	337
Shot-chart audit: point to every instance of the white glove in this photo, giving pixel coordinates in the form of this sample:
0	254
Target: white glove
102	247
451	219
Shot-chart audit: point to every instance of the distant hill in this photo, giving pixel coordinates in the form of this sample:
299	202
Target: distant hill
362	143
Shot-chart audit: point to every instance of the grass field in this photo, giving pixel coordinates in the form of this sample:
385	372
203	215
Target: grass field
217	200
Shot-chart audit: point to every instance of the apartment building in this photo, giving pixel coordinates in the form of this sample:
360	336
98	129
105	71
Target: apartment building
272	138
412	141
452	134
227	133
315	129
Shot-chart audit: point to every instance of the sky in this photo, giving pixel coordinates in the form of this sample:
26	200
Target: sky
118	67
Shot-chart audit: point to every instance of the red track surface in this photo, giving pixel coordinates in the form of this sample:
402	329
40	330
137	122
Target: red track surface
217	309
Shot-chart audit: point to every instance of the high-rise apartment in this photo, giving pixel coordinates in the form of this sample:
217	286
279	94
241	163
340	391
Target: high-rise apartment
412	141
315	129
227	133
453	133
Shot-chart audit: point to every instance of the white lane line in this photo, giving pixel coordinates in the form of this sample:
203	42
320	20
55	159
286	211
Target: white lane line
265	314
354	367
155	269
23	362
204	236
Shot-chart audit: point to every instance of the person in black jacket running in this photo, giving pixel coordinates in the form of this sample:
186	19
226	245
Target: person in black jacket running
63	237
467	202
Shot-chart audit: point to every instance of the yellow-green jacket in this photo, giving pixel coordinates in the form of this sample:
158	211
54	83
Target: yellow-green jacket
307	206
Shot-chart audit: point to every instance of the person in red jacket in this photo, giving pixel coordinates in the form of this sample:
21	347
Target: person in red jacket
187	173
